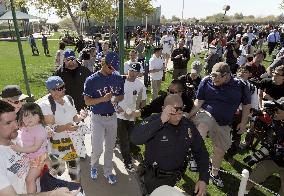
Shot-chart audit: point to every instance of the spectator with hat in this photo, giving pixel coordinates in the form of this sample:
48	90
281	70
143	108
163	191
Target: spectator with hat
60	113
74	76
102	91
128	110
217	99
14	96
191	82
211	58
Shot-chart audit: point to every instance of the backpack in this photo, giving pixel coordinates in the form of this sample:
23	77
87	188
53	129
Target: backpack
53	104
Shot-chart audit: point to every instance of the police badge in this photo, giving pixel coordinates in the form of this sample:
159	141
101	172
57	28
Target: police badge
189	132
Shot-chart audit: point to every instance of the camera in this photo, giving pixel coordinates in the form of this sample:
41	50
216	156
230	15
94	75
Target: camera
269	146
270	107
256	156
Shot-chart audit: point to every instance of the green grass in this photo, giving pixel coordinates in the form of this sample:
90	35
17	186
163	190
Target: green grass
41	67
38	67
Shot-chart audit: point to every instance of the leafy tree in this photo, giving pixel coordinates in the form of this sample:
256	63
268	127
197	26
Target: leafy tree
100	10
238	16
175	18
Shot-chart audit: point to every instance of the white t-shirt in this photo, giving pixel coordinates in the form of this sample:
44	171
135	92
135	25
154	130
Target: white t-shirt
14	168
59	57
63	115
156	63
131	92
168	43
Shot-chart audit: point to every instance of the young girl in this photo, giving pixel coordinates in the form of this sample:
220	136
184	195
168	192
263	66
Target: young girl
34	139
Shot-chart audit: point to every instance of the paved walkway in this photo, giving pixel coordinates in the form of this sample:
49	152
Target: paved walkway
127	184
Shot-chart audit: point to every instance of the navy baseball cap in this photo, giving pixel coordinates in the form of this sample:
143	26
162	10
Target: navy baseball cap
135	67
53	82
69	53
112	59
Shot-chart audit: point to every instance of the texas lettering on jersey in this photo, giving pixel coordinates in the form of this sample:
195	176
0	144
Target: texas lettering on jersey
109	89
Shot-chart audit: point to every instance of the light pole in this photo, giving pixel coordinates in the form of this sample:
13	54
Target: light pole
84	8
225	8
121	34
182	12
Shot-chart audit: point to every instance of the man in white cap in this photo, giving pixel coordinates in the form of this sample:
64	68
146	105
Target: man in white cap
128	110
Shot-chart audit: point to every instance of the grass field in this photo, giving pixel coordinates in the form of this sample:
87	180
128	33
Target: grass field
40	67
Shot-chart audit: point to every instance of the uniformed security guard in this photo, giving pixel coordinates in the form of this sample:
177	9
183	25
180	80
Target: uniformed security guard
168	136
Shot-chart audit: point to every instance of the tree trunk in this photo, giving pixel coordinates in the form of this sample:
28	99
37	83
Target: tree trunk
74	19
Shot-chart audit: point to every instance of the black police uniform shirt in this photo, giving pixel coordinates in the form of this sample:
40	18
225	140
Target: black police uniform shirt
275	91
168	145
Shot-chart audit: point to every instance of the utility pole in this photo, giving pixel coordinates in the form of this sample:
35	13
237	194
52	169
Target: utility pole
20	50
121	35
182	12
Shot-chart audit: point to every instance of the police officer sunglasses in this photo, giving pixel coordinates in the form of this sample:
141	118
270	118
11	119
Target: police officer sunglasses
173	91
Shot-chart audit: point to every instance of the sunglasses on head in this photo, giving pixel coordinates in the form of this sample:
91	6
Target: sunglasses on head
60	88
17	101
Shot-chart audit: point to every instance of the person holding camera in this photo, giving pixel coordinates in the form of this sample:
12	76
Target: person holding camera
231	55
274	163
272	88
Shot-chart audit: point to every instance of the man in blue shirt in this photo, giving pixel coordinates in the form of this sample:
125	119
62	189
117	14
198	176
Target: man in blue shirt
272	39
217	99
102	91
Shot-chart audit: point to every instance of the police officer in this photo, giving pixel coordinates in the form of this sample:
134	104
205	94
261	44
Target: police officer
168	136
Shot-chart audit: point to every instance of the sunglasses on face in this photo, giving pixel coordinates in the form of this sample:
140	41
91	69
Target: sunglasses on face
110	67
60	88
276	73
70	58
178	109
173	91
16	102
215	75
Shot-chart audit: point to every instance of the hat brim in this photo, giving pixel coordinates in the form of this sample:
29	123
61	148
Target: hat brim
19	97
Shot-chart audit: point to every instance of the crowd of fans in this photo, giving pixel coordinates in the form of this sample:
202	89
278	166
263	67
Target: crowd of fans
216	99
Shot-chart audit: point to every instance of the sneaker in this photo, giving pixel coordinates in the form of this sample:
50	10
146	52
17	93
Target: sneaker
111	178
94	173
129	167
217	180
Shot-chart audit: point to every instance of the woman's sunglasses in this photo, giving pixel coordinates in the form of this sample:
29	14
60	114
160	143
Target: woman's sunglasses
60	88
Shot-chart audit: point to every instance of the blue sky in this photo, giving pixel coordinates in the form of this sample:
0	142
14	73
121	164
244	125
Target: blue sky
203	8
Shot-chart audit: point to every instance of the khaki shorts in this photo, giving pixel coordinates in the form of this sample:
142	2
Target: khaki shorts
220	135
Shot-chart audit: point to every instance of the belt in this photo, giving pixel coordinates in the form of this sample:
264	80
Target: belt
108	114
